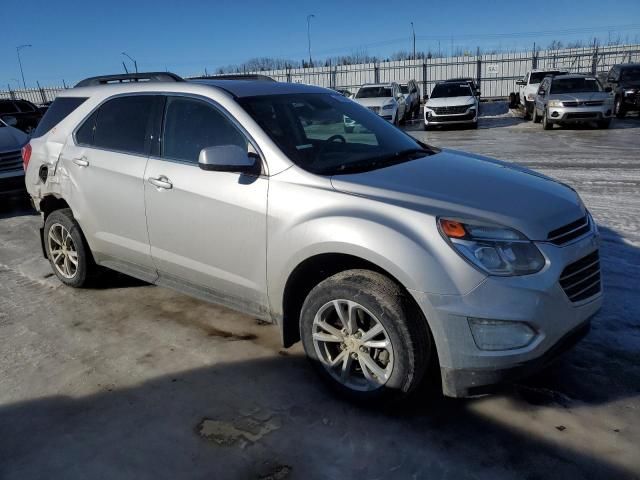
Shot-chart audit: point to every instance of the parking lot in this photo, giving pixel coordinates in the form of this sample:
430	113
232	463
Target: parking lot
129	380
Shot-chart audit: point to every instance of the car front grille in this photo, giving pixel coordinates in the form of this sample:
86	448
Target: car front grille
573	230
450	110
374	109
587	103
10	161
581	279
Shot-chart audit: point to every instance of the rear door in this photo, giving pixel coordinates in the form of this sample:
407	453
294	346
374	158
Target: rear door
105	164
207	229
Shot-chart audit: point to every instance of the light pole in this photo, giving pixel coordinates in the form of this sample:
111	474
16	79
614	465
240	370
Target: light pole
135	64
18	48
309	17
414	40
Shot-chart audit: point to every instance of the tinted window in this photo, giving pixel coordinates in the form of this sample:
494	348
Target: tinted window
58	111
84	135
123	122
7	107
404	88
191	125
25	106
374	92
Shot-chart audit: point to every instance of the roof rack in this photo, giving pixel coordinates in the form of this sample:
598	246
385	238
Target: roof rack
130	77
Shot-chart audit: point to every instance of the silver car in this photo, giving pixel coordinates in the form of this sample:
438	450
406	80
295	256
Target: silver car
393	262
565	99
11	169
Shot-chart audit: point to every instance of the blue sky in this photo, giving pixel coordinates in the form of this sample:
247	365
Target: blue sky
72	40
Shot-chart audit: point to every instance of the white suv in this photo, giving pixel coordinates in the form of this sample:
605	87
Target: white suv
451	103
385	99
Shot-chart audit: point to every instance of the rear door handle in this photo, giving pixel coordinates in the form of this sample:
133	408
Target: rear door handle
81	162
161	182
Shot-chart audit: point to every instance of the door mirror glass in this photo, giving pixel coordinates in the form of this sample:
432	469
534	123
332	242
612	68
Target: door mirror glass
228	158
10	120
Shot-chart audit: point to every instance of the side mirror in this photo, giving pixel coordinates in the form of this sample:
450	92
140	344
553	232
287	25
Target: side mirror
10	120
521	82
228	158
425	97
542	92
608	89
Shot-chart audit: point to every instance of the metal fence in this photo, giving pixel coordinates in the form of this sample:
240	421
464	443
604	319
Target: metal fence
495	73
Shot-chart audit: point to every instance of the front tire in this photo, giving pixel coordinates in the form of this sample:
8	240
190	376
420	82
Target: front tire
364	337
546	124
536	118
619	108
67	250
604	124
527	110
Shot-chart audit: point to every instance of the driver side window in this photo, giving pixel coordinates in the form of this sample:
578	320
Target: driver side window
191	125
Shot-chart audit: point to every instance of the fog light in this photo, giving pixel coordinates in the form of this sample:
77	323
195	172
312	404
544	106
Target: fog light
555	114
500	334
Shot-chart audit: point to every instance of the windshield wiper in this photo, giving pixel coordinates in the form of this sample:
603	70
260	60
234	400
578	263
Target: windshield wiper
374	163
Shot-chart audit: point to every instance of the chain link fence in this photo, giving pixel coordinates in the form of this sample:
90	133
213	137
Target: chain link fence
496	74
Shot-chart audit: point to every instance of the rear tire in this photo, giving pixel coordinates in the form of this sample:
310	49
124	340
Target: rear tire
619	108
387	365
67	249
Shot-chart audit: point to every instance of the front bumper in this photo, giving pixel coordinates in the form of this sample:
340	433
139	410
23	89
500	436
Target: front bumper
431	118
579	114
537	300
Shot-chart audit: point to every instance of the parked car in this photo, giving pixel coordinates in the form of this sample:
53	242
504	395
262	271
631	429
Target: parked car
529	88
385	99
344	92
451	103
624	80
26	113
11	169
564	99
411	92
393	262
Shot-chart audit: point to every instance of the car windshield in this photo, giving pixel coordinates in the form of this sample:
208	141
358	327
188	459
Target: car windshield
331	135
630	74
574	85
374	92
404	88
451	90
537	77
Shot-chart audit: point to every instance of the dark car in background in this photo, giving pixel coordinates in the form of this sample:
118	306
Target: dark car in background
624	80
26	114
11	169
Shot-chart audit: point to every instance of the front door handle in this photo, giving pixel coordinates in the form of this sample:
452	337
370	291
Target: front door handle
161	182
81	162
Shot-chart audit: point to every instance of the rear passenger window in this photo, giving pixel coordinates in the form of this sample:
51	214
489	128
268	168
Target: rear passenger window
191	125
123	124
58	111
25	106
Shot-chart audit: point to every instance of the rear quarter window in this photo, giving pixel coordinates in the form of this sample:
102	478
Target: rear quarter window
58	111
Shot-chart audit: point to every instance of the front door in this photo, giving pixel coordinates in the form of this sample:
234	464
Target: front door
207	229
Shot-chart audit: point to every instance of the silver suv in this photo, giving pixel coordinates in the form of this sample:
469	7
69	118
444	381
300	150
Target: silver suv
394	262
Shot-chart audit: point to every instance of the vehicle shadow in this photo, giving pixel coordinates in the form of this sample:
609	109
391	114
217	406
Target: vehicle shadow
269	415
16	206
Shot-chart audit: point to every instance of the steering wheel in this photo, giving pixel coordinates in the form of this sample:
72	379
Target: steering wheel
333	138
328	141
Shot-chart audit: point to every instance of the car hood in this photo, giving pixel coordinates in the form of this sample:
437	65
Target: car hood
450	101
374	102
580	96
463	185
11	139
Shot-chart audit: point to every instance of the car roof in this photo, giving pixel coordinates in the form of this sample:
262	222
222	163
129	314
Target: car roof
388	84
236	88
571	75
628	65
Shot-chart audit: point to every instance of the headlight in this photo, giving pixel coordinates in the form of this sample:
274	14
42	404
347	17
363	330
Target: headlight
629	92
389	106
555	103
531	96
493	249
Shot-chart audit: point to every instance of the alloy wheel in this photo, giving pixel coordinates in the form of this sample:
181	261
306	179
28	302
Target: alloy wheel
62	250
352	345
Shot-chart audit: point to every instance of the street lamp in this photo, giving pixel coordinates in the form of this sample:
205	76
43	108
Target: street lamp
18	48
309	17
135	64
414	40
